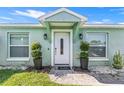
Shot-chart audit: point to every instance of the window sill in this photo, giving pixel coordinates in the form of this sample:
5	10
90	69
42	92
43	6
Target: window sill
98	59
17	59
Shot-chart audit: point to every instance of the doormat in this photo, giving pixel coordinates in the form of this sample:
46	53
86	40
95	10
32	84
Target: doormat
63	68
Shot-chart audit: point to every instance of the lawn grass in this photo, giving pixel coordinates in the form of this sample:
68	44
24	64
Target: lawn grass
6	74
25	78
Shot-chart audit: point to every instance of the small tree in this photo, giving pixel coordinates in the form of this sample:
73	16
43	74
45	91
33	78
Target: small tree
117	59
84	47
37	55
36	50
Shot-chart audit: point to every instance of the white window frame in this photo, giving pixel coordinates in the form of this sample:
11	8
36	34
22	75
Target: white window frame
18	58
106	47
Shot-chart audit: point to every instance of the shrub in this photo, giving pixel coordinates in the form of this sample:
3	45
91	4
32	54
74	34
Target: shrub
117	59
36	50
84	46
84	54
36	54
36	45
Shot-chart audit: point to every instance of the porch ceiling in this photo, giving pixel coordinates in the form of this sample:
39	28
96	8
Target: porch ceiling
61	24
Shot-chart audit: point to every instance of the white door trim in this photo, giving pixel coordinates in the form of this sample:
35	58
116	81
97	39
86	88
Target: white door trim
71	45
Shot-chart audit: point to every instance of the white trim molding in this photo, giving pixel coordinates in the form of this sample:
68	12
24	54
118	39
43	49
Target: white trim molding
18	59
98	59
102	26
23	25
71	45
18	25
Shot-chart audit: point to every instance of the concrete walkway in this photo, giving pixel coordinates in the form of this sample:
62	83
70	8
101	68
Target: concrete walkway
100	75
72	77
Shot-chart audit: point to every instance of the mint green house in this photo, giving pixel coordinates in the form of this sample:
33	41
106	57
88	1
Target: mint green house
60	33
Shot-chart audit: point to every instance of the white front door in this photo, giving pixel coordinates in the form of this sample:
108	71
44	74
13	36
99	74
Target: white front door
61	48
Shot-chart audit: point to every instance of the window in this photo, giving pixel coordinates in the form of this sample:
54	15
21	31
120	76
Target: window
18	45
98	44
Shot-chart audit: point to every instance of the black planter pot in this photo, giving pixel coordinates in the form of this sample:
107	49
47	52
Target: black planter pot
38	63
84	64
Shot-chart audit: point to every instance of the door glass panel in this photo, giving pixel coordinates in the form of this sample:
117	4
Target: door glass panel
61	46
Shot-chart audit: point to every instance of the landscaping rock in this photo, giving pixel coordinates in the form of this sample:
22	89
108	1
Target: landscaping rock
121	74
14	67
105	70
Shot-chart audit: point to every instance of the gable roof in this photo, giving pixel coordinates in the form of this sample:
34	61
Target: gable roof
42	18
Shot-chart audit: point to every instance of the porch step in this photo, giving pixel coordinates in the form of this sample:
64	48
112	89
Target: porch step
62	67
57	72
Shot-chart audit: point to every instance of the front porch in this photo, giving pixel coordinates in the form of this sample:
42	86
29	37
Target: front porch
62	26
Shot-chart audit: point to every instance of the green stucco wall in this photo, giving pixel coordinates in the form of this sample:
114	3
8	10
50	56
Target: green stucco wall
34	35
115	42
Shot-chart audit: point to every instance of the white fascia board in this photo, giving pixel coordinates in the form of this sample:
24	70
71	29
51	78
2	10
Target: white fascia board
22	25
101	26
81	26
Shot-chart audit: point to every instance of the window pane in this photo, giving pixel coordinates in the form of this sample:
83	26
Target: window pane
19	51
97	52
96	38
19	39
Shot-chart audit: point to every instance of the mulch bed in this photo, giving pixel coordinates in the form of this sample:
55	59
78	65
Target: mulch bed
45	69
78	69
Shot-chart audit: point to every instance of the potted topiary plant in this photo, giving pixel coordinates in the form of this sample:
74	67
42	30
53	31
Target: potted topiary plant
37	55
84	58
118	64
